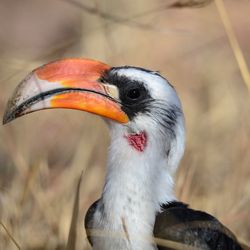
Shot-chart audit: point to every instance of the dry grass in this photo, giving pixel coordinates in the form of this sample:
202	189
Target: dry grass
43	155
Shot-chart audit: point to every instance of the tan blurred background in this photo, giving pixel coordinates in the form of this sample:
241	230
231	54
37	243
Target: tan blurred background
43	154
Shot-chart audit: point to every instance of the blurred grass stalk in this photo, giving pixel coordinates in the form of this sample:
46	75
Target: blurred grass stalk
12	238
239	56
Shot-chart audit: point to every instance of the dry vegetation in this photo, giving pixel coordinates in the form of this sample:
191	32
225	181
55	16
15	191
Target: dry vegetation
42	155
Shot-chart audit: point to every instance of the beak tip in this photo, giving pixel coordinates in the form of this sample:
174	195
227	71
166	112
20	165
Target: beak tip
12	110
6	120
10	114
8	117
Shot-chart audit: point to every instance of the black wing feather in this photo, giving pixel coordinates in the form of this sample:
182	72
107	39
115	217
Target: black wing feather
194	228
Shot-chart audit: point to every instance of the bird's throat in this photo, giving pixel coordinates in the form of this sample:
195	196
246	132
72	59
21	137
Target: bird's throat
137	183
138	141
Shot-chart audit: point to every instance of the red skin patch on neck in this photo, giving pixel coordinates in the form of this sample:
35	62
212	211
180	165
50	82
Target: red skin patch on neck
137	141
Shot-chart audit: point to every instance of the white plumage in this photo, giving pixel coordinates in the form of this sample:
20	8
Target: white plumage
137	183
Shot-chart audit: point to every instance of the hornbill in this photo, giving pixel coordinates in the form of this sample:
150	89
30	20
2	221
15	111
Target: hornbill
137	207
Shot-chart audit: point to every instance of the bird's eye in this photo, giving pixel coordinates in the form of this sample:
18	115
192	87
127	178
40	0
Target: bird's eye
134	93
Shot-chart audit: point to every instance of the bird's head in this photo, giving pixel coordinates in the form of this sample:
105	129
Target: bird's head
140	105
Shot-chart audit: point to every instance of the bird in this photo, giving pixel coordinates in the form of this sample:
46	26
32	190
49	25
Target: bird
138	209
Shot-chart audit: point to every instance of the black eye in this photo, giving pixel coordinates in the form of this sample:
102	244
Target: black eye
134	93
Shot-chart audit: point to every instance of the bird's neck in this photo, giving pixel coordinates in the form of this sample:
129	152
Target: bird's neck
137	183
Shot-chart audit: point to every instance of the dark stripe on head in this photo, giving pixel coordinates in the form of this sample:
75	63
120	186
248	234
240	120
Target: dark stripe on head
130	105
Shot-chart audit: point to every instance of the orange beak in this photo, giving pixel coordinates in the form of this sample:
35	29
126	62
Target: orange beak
68	83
